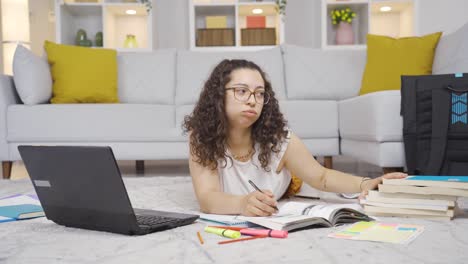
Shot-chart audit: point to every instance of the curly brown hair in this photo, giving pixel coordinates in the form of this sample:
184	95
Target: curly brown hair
208	123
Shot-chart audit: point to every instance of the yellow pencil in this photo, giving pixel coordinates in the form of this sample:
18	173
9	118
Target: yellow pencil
200	237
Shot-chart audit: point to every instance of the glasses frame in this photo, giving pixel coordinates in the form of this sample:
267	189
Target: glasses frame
248	98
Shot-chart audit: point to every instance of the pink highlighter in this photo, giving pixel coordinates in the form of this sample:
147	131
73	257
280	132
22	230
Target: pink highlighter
264	232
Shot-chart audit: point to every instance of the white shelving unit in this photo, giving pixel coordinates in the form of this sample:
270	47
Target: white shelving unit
236	13
108	17
397	22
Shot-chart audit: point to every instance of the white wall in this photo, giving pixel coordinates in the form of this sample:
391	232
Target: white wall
303	23
441	15
41	26
171	24
1	51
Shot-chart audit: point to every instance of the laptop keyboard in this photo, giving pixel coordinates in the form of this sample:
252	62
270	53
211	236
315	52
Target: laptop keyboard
152	220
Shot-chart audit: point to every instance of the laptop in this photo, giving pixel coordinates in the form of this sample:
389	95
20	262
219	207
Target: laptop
81	186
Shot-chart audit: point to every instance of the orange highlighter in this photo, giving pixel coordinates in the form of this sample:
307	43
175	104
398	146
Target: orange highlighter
258	232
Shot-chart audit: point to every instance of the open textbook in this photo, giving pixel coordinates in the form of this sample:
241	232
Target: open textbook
295	215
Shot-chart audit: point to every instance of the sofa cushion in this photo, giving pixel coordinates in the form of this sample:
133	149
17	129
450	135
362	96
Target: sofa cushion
92	123
311	119
320	122
147	77
194	68
322	74
389	58
31	74
382	154
81	74
372	117
451	53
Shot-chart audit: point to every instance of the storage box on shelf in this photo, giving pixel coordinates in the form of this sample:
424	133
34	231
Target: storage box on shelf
235	13
394	18
116	19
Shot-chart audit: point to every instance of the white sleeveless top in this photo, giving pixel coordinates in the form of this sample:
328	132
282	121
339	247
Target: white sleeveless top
235	176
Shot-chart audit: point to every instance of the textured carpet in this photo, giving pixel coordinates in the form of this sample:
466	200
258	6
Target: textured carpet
42	241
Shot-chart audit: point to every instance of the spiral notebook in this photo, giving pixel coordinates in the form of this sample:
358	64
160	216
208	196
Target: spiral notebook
229	220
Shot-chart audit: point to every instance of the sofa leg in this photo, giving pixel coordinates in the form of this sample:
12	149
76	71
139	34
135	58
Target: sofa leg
328	162
6	169
392	169
140	166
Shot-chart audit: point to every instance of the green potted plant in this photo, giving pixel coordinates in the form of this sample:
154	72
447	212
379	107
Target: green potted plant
281	6
147	4
342	19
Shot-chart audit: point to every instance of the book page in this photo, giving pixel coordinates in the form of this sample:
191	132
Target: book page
18	200
327	211
294	208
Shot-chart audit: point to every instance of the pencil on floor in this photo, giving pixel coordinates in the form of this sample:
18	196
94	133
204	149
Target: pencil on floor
239	239
200	237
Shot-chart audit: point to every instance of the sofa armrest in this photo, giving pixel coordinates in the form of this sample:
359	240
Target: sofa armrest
373	117
8	96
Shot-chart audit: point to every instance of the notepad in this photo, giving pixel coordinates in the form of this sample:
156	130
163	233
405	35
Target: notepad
380	232
229	220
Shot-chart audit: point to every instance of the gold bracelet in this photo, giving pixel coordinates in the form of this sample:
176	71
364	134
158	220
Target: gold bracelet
362	181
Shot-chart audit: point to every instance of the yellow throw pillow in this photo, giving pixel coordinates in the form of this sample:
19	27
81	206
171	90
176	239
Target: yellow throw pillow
82	75
389	58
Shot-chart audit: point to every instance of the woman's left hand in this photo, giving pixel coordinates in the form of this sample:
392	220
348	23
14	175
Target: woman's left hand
374	183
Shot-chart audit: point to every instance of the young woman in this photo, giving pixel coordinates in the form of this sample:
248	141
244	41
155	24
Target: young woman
237	133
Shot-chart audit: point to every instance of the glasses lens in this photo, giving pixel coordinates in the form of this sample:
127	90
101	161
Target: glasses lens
265	98
242	94
259	96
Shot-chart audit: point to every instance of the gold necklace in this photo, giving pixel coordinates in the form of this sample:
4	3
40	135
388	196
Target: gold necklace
245	157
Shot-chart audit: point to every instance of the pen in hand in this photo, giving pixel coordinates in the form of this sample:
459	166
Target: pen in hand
258	189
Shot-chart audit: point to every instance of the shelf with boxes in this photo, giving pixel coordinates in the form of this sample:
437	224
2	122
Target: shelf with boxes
125	25
231	24
394	18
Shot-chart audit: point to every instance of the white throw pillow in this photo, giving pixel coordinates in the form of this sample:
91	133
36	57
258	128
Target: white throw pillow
32	77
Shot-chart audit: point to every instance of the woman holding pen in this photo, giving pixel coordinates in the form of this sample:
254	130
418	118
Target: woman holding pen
237	133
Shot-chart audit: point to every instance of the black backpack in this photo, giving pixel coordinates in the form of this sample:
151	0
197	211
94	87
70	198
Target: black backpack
435	127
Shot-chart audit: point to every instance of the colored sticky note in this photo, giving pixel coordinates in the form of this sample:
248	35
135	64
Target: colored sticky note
380	232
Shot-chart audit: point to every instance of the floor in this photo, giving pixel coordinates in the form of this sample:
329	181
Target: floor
180	168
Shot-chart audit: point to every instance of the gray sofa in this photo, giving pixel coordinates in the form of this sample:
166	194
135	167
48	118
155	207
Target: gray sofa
371	126
157	89
317	90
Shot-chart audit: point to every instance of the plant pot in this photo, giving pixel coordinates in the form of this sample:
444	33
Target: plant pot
344	34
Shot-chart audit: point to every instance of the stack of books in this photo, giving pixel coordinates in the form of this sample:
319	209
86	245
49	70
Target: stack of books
430	197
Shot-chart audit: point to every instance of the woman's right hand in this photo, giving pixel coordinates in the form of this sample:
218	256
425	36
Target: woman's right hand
259	204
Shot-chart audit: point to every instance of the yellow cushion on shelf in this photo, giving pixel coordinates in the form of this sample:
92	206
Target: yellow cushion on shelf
389	58
216	22
81	74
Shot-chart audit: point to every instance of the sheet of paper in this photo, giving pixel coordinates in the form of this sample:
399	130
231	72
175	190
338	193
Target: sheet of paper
223	219
380	232
19	199
5	219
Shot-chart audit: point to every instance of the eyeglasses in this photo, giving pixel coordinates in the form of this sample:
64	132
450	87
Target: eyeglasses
243	95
